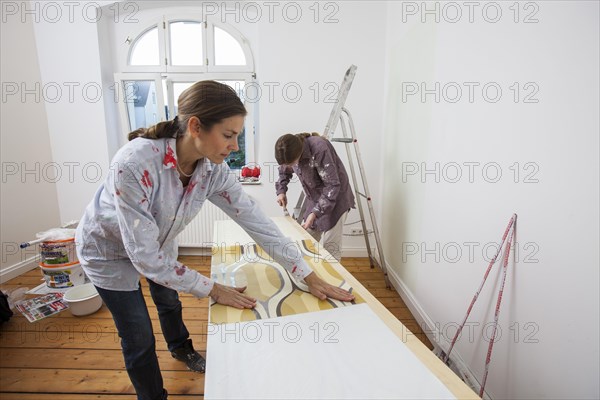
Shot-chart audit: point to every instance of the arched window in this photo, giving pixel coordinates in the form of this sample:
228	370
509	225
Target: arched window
169	55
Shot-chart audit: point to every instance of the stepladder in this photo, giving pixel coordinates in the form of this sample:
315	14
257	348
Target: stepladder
340	115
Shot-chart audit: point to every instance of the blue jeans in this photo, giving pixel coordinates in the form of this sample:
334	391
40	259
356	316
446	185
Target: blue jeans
133	323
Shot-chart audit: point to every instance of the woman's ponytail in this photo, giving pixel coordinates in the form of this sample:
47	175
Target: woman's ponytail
166	129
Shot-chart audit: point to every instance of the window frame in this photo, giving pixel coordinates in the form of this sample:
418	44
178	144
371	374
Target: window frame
244	44
185	73
128	47
208	50
167	39
120	78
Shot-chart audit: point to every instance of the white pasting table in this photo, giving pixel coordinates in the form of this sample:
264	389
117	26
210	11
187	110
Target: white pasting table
355	351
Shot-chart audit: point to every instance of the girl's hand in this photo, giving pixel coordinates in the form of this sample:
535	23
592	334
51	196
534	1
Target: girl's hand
310	220
321	289
231	296
282	200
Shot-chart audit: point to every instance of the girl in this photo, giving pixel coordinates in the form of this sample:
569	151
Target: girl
325	183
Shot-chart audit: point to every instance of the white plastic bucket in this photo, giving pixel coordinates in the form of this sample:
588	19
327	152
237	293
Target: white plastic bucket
58	252
63	276
83	299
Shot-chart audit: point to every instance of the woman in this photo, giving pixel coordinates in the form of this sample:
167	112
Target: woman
325	183
157	185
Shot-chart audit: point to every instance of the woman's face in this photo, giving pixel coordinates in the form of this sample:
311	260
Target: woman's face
216	143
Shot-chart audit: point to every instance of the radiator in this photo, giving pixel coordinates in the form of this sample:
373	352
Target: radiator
199	232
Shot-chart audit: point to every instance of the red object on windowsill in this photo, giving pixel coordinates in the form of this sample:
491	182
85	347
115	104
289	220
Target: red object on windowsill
248	172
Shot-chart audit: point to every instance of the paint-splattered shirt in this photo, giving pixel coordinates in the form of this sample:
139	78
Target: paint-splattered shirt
131	225
324	180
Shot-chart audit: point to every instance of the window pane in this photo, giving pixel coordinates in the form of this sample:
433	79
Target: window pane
186	43
227	49
238	86
145	49
237	159
178	88
140	99
165	90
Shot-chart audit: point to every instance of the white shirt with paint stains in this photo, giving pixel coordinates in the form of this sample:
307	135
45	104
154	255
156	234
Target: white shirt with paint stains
131	225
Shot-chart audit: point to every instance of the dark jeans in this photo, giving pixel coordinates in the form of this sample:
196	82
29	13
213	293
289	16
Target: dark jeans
133	323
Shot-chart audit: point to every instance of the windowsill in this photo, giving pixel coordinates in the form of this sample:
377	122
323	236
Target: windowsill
244	181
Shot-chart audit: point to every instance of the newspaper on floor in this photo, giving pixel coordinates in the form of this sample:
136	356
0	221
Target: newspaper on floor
42	307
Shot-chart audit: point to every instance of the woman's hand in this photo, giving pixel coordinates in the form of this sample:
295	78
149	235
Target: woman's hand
282	200
321	289
231	296
310	220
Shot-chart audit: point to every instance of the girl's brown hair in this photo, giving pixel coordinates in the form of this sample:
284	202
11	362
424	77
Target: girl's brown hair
288	147
209	101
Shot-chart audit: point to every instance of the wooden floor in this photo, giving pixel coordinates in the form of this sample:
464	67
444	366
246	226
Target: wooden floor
69	358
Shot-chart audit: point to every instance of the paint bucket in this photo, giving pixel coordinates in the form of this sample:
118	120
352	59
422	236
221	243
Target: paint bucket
63	276
58	252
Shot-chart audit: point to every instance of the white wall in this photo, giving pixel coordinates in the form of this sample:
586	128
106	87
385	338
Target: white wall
69	59
29	196
549	314
52	48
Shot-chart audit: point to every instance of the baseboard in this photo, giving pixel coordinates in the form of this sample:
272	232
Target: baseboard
354	252
195	251
440	343
20	268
